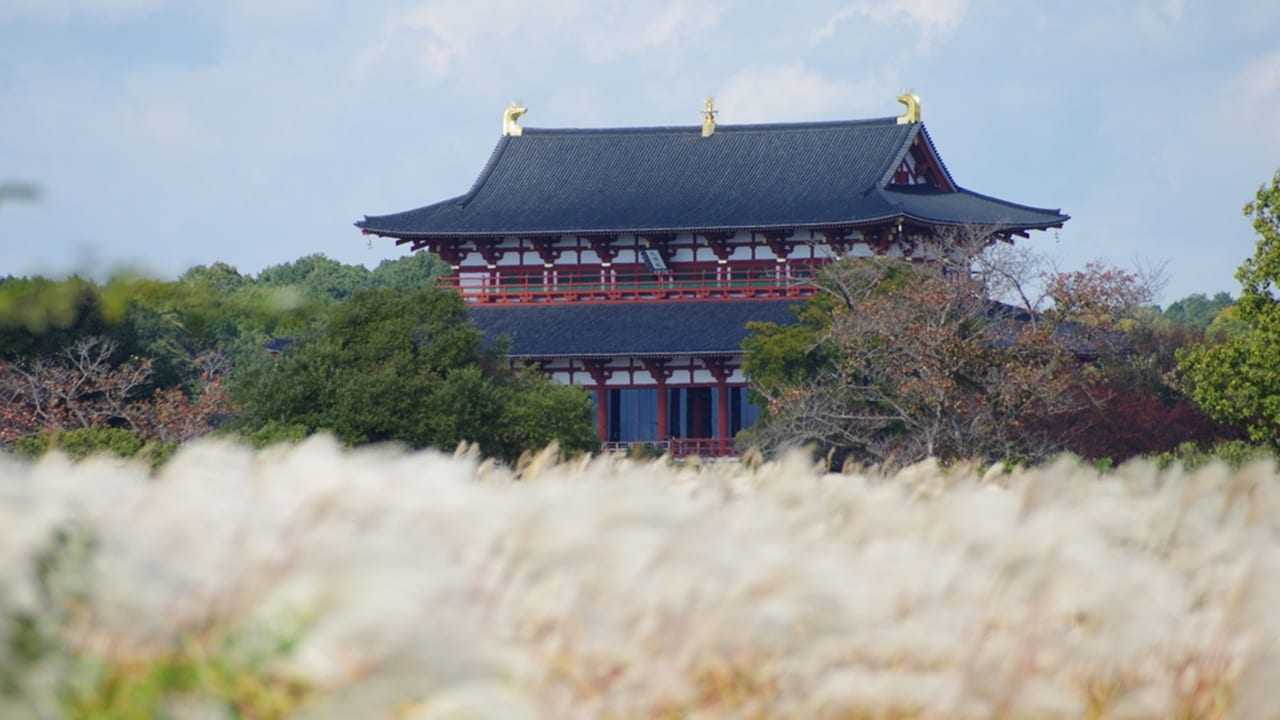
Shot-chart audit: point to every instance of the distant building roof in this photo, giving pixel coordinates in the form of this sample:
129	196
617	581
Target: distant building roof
277	345
592	329
668	179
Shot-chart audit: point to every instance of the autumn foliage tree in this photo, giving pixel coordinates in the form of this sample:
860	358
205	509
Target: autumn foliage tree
995	354
1133	408
84	386
897	361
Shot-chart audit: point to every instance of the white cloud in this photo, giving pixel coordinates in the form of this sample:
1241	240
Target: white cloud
790	91
1159	17
1251	104
932	20
161	122
640	28
437	34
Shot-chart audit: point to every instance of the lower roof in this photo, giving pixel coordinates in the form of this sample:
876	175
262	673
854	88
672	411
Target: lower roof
601	330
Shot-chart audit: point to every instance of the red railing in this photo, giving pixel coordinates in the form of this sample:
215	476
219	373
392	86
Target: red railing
680	447
791	281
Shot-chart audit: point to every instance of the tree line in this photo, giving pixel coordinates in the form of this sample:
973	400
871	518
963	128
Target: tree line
994	355
141	365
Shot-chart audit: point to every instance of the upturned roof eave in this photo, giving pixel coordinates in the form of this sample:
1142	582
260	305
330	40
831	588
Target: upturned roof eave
696	229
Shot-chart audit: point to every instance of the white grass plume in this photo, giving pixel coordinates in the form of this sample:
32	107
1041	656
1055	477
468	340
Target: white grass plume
430	586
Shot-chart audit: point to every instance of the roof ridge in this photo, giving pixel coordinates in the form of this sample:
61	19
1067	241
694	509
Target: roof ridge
720	127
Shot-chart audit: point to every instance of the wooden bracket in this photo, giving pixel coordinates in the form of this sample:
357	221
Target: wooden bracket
546	249
718	366
779	243
604	246
659	368
719	243
488	249
595	367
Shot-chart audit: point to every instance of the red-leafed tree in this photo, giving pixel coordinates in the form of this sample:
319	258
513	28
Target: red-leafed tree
83	386
177	415
1100	295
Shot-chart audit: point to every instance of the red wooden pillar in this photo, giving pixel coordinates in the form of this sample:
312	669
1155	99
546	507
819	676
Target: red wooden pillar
600	375
722	417
664	433
658	368
602	412
719	368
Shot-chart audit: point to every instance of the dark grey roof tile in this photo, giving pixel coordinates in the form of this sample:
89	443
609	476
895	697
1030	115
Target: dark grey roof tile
590	329
665	179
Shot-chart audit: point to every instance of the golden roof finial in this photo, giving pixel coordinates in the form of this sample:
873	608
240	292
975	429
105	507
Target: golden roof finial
509	118
912	101
708	117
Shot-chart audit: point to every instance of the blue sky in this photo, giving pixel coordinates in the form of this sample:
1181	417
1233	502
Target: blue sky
166	134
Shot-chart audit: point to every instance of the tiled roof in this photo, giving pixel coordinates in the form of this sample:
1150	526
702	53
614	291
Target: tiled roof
681	328
667	179
662	328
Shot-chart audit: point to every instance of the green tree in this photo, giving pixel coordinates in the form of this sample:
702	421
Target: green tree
215	307
318	275
219	276
407	366
416	270
1195	313
1238	380
41	315
537	411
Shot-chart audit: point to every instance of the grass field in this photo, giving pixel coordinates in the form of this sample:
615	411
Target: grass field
315	582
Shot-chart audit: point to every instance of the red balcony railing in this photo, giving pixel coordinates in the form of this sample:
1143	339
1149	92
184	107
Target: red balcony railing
680	447
506	287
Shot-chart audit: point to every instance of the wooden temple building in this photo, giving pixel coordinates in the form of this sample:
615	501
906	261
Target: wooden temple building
630	260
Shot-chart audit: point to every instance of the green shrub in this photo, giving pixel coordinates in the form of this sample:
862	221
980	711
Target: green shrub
85	442
273	432
1234	453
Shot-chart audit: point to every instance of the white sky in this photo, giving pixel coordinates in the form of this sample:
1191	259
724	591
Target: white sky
166	134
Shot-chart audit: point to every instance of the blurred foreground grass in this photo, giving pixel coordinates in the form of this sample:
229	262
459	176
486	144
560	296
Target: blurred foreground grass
313	582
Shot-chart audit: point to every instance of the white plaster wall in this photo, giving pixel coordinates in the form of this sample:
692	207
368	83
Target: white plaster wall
807	246
703	376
